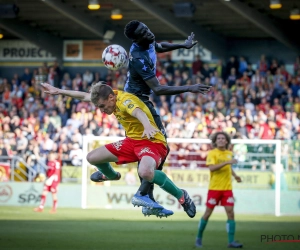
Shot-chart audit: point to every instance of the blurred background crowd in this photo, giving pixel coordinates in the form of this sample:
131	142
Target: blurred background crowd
259	100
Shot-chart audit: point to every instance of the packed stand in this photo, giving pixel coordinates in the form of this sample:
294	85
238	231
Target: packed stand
255	101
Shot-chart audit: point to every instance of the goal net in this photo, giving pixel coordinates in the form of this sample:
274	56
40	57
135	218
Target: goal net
269	185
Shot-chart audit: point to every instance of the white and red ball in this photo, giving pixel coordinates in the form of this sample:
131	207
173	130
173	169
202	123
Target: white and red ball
114	57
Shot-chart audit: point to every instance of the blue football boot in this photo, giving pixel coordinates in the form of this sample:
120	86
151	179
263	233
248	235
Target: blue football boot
145	201
159	213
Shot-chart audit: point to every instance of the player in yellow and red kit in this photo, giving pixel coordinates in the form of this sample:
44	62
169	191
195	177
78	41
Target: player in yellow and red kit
144	142
51	183
219	161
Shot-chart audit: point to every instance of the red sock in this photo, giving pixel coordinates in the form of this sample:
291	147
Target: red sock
181	200
43	200
54	204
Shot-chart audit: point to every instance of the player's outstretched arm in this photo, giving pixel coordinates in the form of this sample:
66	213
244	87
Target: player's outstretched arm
49	89
158	89
149	130
165	47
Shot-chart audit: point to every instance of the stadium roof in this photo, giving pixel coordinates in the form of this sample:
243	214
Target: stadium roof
215	22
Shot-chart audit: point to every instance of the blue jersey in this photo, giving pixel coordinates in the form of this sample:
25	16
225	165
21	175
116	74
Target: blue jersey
142	67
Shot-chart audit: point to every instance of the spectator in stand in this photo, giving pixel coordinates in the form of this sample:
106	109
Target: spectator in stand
205	72
220	68
232	63
231	79
274	66
3	149
245	79
169	65
47	126
182	67
98	77
296	65
242	65
6	97
27	76
55	119
262	65
22	141
51	76
76	155
250	71
88	77
66	81
40	76
197	65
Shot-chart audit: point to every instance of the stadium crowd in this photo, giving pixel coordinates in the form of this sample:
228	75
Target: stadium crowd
256	101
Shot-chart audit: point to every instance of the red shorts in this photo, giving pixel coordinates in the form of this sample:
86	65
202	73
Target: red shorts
52	188
129	150
219	197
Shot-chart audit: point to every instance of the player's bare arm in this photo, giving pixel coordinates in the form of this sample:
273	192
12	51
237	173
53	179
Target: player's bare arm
49	89
188	44
216	167
149	130
158	89
236	177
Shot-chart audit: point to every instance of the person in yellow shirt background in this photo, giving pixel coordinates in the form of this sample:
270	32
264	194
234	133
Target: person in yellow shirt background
219	161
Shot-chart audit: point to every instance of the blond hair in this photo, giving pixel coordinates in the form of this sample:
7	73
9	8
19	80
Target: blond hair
100	90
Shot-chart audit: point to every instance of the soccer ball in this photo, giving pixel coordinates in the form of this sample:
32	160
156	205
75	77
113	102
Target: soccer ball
114	57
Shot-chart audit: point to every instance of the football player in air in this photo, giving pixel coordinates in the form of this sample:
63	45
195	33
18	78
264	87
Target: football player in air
144	142
142	82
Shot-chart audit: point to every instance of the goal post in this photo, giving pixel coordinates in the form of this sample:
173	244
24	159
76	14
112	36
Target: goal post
86	140
92	142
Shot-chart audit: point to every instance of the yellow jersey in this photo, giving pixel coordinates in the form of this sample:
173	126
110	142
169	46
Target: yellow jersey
220	179
126	103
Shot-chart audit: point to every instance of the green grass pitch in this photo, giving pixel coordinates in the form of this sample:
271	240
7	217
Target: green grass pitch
72	229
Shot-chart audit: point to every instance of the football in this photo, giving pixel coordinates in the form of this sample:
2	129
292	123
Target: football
114	57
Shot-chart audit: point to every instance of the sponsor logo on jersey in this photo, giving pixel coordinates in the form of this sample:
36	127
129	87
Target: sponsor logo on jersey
119	118
126	102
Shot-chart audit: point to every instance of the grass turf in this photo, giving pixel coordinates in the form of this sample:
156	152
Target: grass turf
74	229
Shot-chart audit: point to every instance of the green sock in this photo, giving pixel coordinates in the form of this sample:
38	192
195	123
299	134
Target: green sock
107	170
202	225
230	227
161	179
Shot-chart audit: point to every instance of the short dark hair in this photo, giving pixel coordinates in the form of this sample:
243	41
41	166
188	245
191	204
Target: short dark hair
130	29
214	139
100	90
